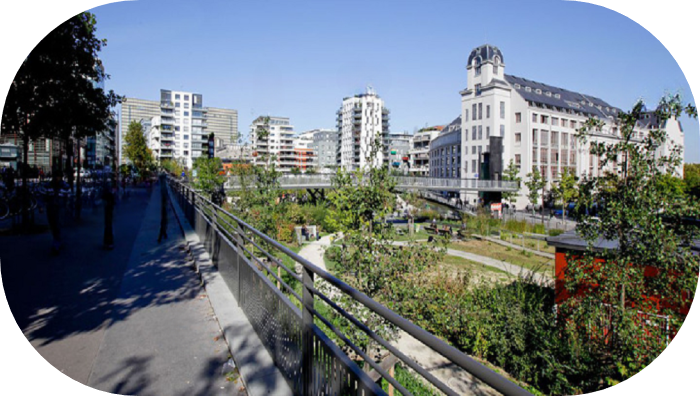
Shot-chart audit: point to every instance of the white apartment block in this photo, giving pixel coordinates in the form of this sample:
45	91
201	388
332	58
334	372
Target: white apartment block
272	139
538	123
177	127
361	119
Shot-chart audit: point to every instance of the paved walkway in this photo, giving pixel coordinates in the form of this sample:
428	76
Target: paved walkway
314	251
134	320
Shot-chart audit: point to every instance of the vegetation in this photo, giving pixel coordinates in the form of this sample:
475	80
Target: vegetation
691	178
536	183
209	178
511	174
646	222
136	149
55	95
565	190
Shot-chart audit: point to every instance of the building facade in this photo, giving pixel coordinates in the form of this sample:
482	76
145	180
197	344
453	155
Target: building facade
538	123
361	119
399	146
272	139
325	146
446	152
419	155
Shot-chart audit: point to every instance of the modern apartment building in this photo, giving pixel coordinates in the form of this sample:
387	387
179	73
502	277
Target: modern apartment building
361	119
272	139
537	123
182	124
399	146
325	145
446	151
419	157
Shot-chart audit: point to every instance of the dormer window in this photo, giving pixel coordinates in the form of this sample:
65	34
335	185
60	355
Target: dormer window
496	62
528	89
517	86
538	91
557	96
549	94
478	66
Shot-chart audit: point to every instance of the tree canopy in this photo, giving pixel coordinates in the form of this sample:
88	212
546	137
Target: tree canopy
136	149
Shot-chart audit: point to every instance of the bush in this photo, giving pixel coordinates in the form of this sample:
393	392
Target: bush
428	214
555	232
538	229
285	232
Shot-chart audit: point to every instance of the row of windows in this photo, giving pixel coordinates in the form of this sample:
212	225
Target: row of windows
477	111
555	156
177	97
544	138
545	119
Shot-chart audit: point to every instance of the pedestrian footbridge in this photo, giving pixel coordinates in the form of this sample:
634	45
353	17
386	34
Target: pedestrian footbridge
323	181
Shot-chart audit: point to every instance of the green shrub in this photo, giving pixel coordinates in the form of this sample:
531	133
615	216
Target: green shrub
538	229
555	232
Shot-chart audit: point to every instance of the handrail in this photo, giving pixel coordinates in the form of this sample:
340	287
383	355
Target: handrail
478	370
289	181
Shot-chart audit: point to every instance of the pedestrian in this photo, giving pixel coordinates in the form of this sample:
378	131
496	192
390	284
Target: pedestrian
163	209
52	209
109	200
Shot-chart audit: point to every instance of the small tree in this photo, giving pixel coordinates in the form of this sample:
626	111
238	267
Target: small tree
208	177
565	189
511	173
534	184
136	149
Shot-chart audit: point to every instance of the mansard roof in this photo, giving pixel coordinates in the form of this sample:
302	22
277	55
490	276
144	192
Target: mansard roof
558	97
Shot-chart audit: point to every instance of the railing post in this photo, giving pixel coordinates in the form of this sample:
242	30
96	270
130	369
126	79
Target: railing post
307	322
239	261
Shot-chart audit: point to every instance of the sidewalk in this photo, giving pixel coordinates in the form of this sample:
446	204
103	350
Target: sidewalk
134	320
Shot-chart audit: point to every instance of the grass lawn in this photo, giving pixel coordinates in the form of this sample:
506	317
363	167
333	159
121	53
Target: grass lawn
503	253
530	243
454	263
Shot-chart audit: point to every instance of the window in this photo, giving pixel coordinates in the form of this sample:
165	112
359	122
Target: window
488	132
473	149
481	135
487	148
534	136
544	119
185	152
466	115
564	139
518	138
187	97
477	88
186	137
503	110
480	147
488	111
177	128
573	124
544	138
517	159
177	96
555	139
187	114
474	166
186	128
480	108
518	118
187	105
473	111
495	67
534	117
186	145
503	130
555	121
564	122
543	156
474	133
177	104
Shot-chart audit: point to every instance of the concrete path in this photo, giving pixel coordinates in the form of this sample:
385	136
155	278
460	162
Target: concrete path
314	251
133	320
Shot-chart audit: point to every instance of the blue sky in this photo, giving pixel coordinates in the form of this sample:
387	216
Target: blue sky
300	58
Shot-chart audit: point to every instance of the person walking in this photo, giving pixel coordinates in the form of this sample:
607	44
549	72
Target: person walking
109	199
163	234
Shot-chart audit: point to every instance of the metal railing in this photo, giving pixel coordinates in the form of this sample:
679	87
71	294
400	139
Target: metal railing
309	360
290	182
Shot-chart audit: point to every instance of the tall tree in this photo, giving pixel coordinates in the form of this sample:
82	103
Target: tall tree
691	178
55	93
650	269
208	177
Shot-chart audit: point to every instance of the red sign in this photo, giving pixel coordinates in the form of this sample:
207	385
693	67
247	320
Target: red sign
496	206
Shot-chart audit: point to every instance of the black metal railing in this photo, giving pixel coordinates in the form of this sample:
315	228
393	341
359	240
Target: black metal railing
310	361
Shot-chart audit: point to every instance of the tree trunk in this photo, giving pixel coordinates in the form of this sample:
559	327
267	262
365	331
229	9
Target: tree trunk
79	187
69	159
25	189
